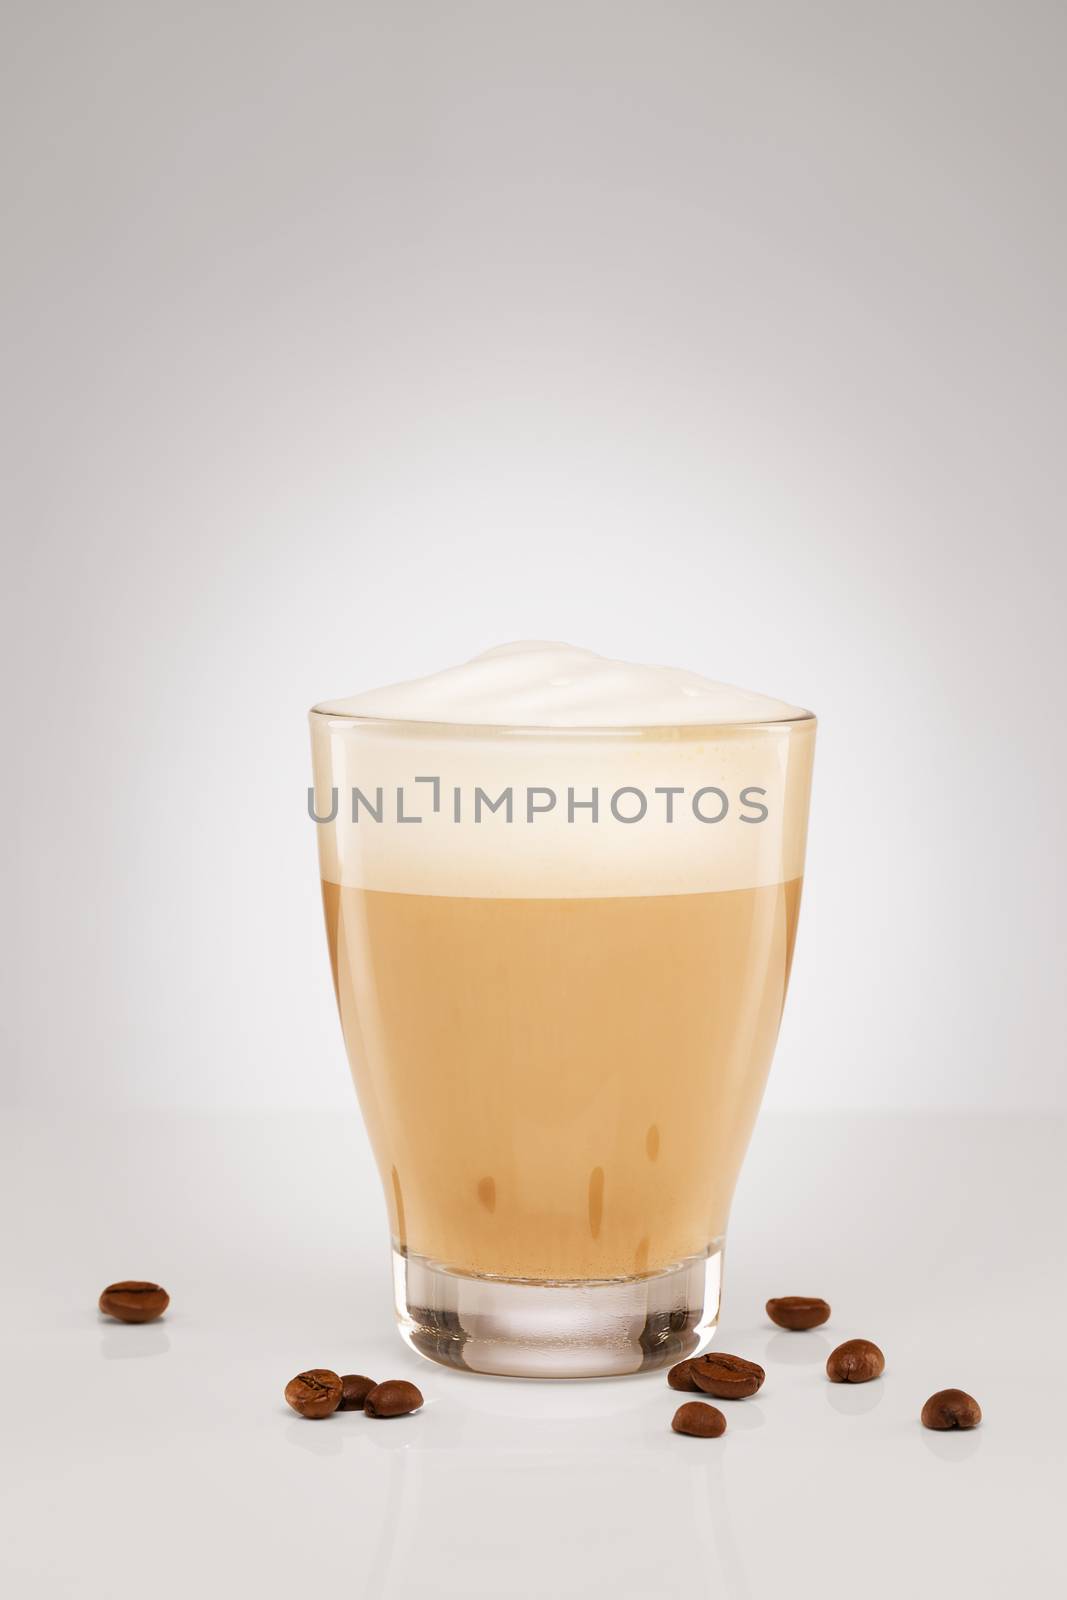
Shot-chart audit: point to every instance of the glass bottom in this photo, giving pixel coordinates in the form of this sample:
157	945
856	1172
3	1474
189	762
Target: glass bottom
519	1328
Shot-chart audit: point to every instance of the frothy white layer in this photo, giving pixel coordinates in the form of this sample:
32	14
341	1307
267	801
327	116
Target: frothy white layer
543	684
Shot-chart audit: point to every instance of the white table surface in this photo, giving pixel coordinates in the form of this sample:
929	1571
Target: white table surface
161	1460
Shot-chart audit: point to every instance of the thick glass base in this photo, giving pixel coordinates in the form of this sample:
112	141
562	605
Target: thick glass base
524	1329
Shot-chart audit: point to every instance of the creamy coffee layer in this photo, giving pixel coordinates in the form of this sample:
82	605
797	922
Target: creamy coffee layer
413	801
560	1089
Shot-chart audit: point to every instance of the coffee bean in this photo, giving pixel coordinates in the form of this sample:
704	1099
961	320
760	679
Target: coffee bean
798	1312
726	1377
395	1398
855	1361
680	1377
951	1408
134	1301
699	1419
315	1393
354	1391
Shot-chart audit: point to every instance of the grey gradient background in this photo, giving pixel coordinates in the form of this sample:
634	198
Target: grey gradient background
343	341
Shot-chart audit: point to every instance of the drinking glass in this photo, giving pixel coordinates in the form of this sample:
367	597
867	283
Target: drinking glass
560	959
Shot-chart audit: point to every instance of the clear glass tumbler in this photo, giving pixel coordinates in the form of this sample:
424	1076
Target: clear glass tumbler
560	959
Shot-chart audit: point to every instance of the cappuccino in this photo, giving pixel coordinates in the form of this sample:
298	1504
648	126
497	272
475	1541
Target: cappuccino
561	897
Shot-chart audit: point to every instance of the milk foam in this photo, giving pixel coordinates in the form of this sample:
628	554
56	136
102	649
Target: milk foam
542	684
543	771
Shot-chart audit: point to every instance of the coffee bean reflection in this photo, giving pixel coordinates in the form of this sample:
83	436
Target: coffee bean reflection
596	1200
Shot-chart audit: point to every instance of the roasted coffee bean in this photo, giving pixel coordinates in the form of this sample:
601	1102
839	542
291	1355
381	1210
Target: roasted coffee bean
951	1408
699	1419
394	1398
726	1377
798	1312
315	1393
680	1377
134	1301
855	1361
354	1391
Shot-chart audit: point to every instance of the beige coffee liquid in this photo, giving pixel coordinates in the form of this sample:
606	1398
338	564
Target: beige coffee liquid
560	1088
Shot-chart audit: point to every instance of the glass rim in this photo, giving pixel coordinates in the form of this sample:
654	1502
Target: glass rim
490	730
